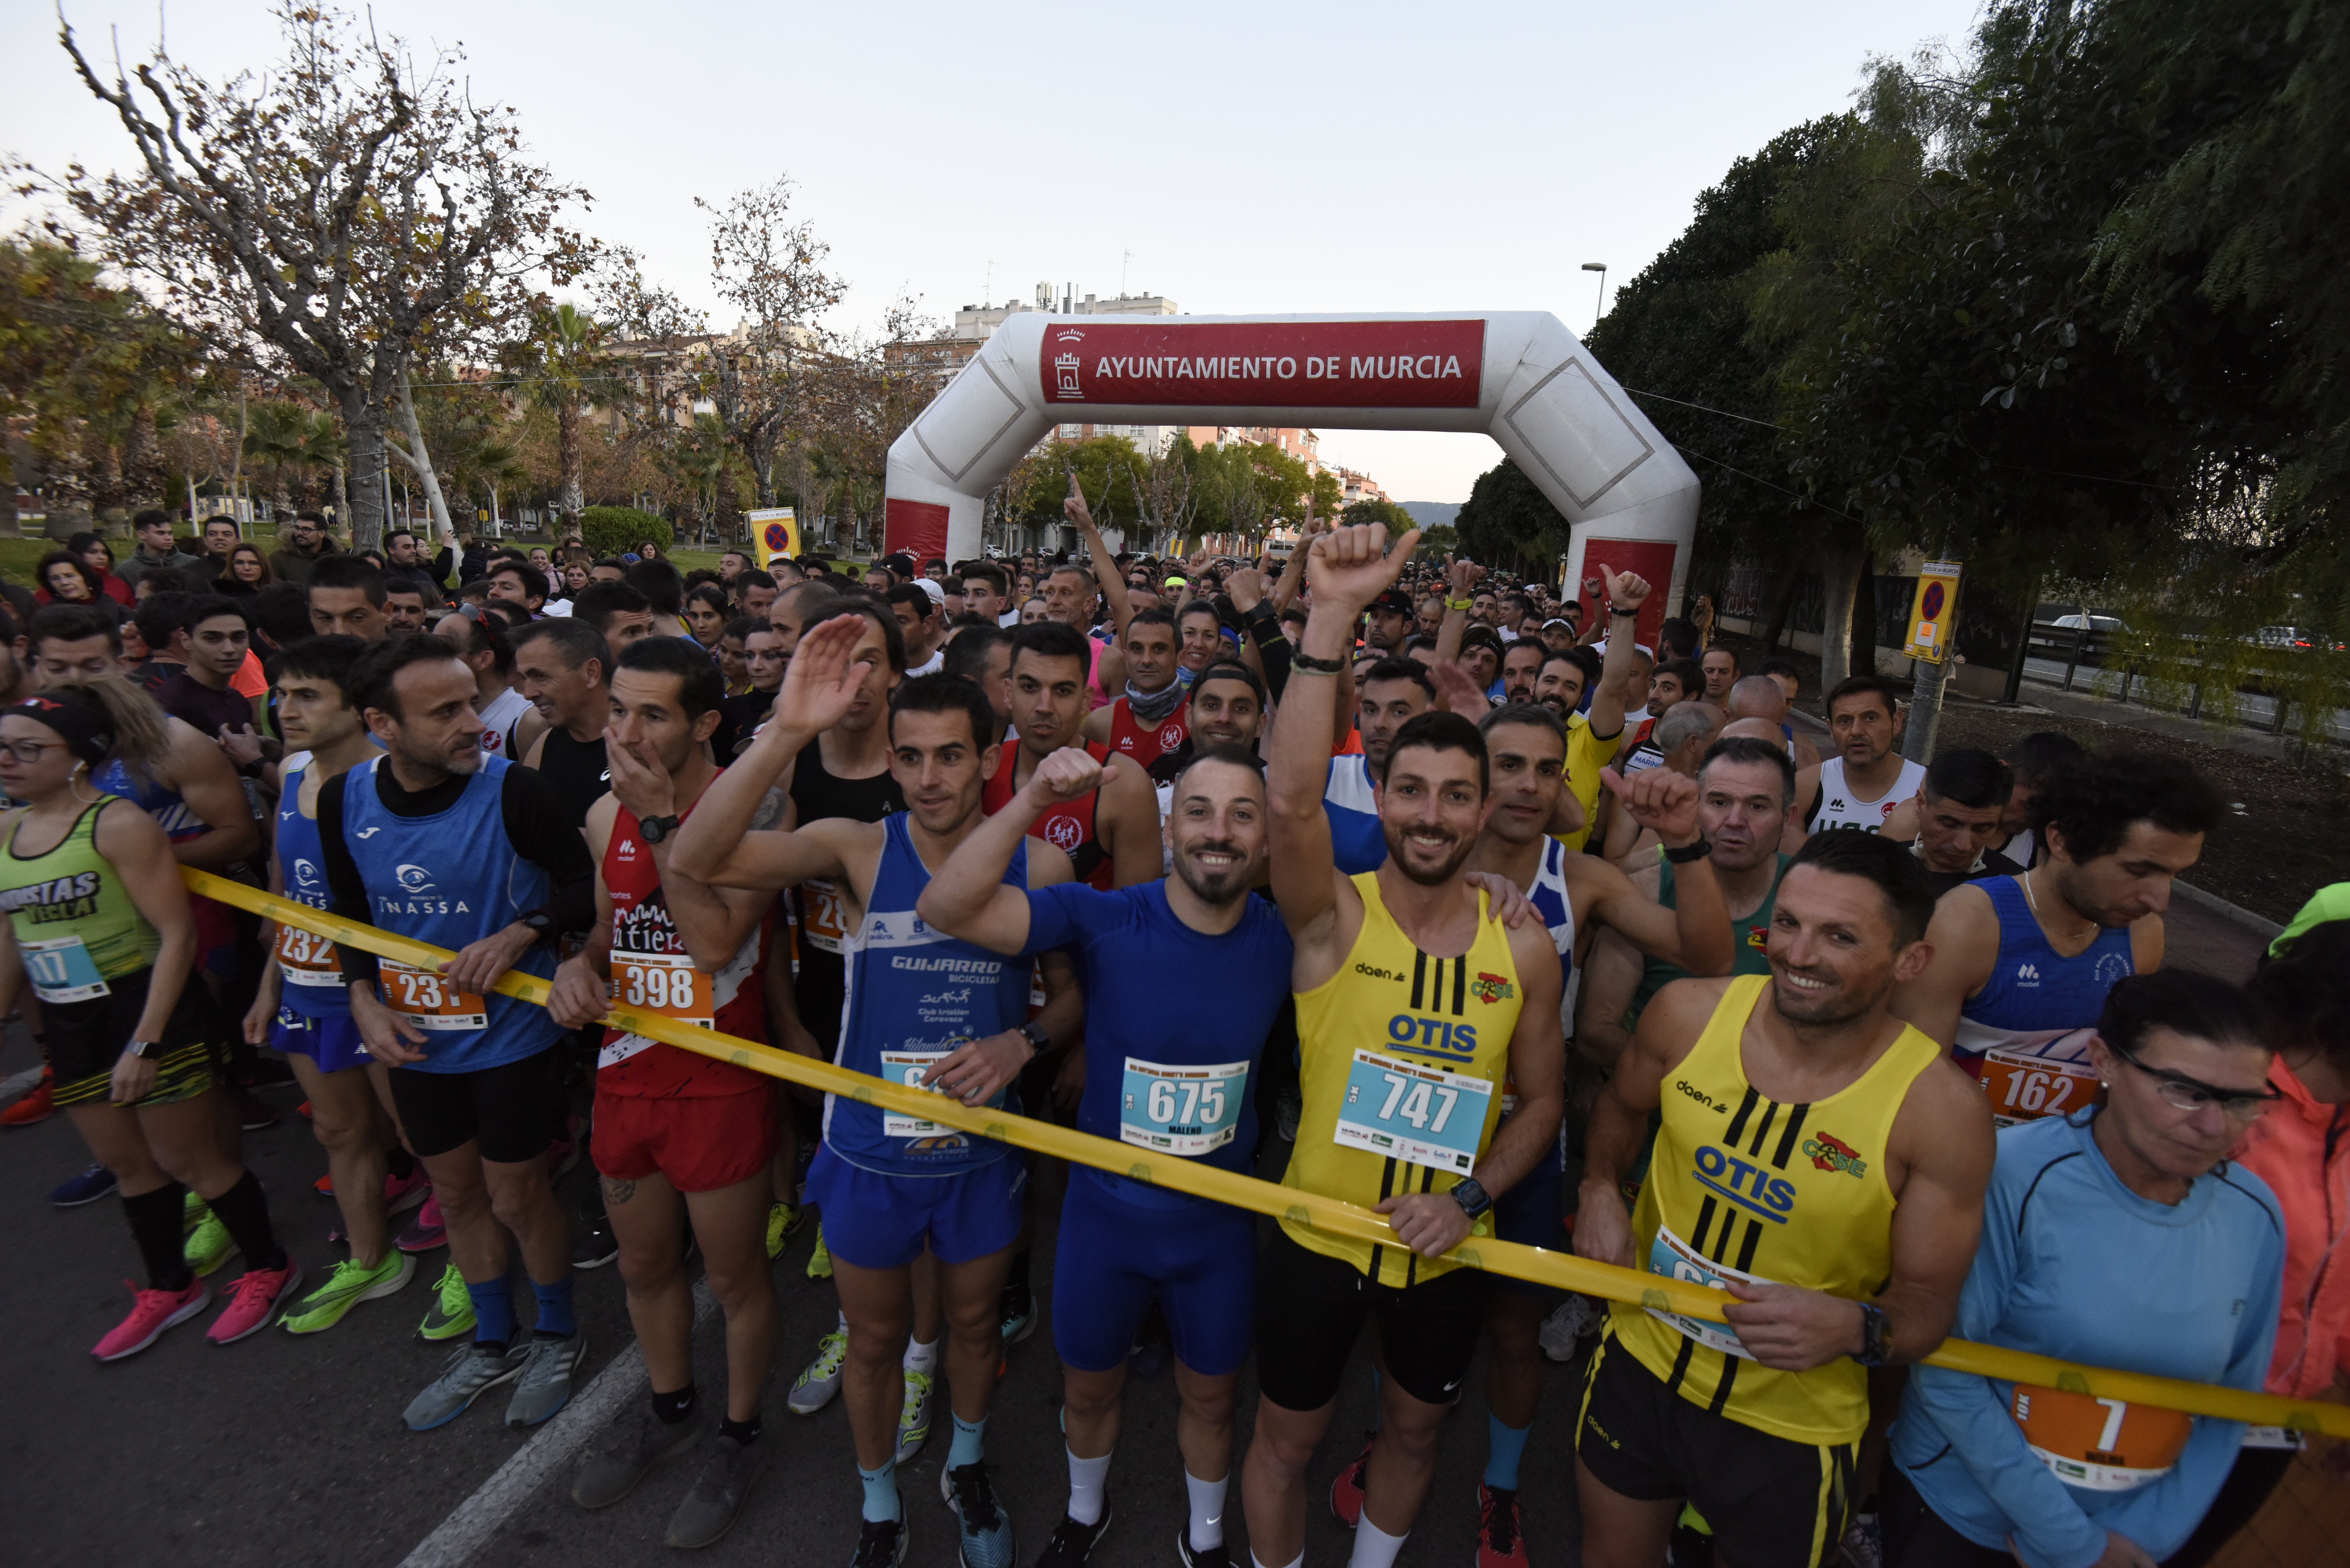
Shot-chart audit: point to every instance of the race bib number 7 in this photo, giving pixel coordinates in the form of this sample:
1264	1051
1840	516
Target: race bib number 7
1413	1112
428	1001
2099	1445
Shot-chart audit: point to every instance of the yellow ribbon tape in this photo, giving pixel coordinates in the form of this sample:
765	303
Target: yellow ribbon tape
1564	1271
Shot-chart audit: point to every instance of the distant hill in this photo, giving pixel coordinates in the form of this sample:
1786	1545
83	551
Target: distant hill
1432	513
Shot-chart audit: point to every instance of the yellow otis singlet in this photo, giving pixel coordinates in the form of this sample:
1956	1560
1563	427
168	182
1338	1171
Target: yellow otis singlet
76	925
1744	1188
1401	1057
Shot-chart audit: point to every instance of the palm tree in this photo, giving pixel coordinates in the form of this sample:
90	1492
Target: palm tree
564	367
278	435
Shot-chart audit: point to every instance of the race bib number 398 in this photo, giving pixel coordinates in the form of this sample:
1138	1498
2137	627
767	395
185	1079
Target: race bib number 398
1413	1112
428	1001
666	984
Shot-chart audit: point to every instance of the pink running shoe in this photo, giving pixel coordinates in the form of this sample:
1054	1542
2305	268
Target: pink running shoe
426	1232
402	1193
155	1311
253	1301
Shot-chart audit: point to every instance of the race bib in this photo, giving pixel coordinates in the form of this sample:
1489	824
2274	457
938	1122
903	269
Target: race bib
62	969
2025	1088
1181	1110
1413	1112
666	984
306	958
2101	1445
823	922
1676	1260
428	1001
907	1067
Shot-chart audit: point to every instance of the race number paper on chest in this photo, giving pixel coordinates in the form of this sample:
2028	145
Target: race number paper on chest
1181	1110
1413	1112
306	957
62	969
428	1001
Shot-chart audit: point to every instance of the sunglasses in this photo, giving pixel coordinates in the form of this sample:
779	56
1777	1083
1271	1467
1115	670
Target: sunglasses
2183	1092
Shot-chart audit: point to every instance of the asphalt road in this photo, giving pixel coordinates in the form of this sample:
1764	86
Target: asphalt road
281	1449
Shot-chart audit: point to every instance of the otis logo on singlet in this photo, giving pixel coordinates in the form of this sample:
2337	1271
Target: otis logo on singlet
1750	1186
66	899
1433	1036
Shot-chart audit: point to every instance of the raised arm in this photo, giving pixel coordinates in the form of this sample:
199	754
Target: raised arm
1465	575
1106	576
1128	819
969	897
1626	592
1695	934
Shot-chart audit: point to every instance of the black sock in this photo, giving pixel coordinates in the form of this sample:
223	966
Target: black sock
675	1408
156	1226
245	1213
1019	1278
743	1432
400	1163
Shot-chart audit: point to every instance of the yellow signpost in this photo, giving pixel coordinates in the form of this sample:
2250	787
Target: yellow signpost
774	533
1934	616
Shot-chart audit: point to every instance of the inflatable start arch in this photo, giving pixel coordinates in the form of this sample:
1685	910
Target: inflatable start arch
1520	377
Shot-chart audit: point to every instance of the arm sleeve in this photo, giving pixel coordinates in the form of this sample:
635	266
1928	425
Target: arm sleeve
536	827
1972	1412
1275	650
346	893
1061	916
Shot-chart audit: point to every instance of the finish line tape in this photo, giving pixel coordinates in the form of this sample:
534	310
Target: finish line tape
1563	1271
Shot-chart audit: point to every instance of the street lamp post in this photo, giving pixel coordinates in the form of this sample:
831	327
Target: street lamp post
1599	309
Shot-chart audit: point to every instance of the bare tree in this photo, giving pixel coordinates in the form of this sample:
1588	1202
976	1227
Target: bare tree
757	377
334	212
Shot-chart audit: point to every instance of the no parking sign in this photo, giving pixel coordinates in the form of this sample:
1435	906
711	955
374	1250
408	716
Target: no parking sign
1934	617
774	533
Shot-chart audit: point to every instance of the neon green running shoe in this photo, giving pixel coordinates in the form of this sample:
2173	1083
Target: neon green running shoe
819	1265
819	1380
209	1244
451	1313
351	1284
192	1209
914	1416
783	1219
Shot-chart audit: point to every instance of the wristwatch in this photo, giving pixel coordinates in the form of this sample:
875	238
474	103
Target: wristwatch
1470	1194
143	1049
1876	1336
1697	851
540	923
1038	1035
653	829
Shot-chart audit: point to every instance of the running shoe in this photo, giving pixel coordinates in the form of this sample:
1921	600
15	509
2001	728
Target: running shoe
593	1245
544	1385
351	1283
914	1418
1073	1543
880	1543
1347	1490
401	1193
87	1187
1500	1534
36	1106
452	1312
254	1301
1570	1323
1019	1313
783	1219
819	1263
472	1371
986	1529
717	1493
638	1442
209	1244
1215	1556
426	1232
192	1208
152	1313
819	1380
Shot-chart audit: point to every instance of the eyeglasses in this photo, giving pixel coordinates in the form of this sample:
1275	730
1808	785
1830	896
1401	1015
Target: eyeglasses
2183	1092
30	751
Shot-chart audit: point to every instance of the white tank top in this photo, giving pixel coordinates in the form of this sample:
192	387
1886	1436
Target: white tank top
1839	807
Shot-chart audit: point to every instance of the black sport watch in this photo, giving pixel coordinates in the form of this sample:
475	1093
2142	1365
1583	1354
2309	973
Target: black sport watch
1038	1035
1470	1194
653	829
1876	1336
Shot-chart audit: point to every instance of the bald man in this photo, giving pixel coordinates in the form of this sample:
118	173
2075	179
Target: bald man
1761	696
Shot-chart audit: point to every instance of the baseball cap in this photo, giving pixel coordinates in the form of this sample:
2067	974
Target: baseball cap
938	594
1393	599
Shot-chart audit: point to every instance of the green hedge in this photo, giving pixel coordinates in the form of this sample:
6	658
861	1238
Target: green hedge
616	530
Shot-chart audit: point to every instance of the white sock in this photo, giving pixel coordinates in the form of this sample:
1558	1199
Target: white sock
920	1358
1256	1563
844	1320
1089	1482
1206	1511
1374	1547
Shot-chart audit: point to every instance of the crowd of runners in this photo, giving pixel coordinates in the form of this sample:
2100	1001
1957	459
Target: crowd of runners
1384	877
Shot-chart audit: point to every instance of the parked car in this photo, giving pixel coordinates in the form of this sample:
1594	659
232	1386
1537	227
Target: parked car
2056	638
2298	637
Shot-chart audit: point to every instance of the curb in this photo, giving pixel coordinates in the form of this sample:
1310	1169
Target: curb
2267	929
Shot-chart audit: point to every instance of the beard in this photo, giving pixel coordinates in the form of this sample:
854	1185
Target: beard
1463	846
1217	888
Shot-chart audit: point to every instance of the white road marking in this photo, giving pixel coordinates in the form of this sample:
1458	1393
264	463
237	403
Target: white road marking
550	1450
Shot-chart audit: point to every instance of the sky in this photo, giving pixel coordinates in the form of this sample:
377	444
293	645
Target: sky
1238	159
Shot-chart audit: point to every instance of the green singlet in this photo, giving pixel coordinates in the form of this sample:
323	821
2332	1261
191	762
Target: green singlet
75	922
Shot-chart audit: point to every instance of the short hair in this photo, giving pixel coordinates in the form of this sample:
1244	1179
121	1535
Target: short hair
170	580
2095	802
2041	753
160	614
1747	749
1899	875
281	612
349	571
1436	731
372	674
328	658
742	626
663	589
1757	688
1682	723
1721	647
407	534
2184	1001
574	641
1227	757
942	694
2302	992
427	593
1410	670
1051	640
1967	776
1864	686
71	623
893	636
1533	713
752	578
1156	615
534	581
699	687
598	602
925	607
1688	671
1677	638
992	574
202	607
148	516
969	654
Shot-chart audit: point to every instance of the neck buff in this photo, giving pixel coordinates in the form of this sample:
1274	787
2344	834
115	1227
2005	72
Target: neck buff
1151	707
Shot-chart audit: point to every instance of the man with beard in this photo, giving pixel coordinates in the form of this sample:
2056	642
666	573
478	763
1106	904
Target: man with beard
2022	964
1596	735
1169	1072
892	1186
1111	835
1149	719
1387	622
1520	667
1817	1158
1412	1007
435	841
1868	779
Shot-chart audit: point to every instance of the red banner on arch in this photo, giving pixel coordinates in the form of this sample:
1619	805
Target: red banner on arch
1291	364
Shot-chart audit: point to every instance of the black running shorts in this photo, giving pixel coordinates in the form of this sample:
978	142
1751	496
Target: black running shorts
85	1039
504	1109
1783	1503
1310	1310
